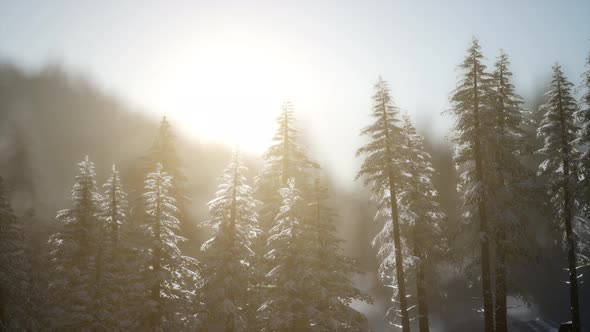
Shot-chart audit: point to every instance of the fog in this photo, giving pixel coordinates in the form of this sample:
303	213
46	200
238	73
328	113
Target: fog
51	118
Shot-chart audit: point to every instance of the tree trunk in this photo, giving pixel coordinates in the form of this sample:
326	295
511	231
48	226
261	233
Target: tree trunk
488	300
501	317
571	256
421	287
399	266
567	215
501	307
157	315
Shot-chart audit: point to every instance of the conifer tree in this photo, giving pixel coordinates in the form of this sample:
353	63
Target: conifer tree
227	258
171	276
583	116
123	260
423	214
15	313
471	109
290	282
284	159
163	151
511	182
333	271
558	129
382	171
75	260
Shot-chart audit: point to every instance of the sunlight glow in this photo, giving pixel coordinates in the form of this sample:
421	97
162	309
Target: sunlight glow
228	88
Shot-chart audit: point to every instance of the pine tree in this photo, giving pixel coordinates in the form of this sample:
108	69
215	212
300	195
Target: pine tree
511	181
422	212
15	282
163	151
333	271
558	130
171	276
583	116
284	159
470	106
75	260
227	257
123	261
290	281
381	170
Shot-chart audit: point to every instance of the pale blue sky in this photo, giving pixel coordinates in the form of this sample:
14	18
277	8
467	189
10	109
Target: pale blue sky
203	62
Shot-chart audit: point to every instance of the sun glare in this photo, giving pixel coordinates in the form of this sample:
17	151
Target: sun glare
229	90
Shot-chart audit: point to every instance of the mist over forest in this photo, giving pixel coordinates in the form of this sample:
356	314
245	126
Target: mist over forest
52	118
229	166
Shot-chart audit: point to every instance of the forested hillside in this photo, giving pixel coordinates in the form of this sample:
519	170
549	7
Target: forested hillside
112	220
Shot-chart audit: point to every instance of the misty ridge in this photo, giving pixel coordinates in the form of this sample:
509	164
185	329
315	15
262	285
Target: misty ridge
484	231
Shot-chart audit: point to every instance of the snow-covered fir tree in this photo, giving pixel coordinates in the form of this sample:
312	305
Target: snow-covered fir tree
15	305
163	151
473	120
423	217
123	288
227	257
333	270
382	171
290	283
171	277
558	129
512	184
75	261
583	116
284	159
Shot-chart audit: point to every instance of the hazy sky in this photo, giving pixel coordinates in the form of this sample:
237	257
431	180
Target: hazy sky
221	69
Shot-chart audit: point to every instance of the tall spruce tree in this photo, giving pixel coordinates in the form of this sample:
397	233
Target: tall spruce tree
583	116
332	270
171	276
15	283
284	159
227	257
163	151
75	258
423	215
290	283
473	121
382	171
558	129
511	182
123	259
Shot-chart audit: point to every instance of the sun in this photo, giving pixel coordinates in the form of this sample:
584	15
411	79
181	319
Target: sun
229	89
